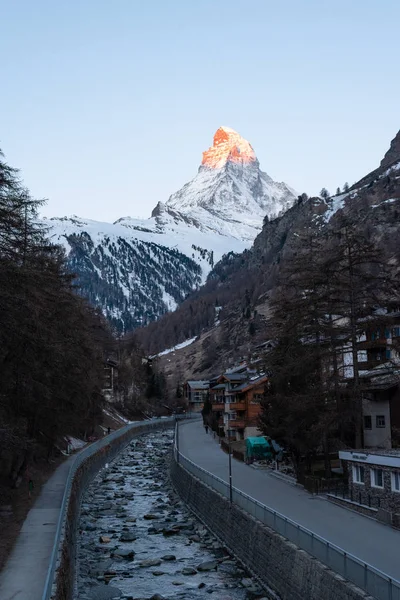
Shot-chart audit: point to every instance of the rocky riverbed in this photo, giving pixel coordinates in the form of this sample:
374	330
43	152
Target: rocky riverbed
138	541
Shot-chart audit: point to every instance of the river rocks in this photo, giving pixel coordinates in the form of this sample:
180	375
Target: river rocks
229	569
148	528
150	562
127	537
189	571
105	592
209	565
124	554
103	539
170	531
100	567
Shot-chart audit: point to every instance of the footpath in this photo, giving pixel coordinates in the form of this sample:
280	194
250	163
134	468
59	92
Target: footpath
24	574
368	540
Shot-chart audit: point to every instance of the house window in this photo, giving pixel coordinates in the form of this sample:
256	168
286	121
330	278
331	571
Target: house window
367	422
358	474
380	421
377	478
395	481
388	353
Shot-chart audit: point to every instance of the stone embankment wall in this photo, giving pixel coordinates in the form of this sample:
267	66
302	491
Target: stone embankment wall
280	565
85	471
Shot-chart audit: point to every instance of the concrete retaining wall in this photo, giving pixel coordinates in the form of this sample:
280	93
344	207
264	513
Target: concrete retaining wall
291	572
85	471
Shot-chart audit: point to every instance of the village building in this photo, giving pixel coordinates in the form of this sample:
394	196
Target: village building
196	394
374	482
379	372
236	404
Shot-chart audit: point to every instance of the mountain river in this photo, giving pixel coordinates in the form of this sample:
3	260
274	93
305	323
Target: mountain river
138	541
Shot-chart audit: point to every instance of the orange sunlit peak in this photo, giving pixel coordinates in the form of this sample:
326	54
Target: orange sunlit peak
228	145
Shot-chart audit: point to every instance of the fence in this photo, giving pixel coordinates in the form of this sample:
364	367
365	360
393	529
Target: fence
365	576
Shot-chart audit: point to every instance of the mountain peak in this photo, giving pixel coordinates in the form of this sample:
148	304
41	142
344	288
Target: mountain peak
228	146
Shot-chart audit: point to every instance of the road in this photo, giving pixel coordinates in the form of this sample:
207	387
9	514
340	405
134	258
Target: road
365	538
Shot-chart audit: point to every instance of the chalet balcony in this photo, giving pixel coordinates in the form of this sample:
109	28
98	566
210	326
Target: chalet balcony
237	424
218	407
237	406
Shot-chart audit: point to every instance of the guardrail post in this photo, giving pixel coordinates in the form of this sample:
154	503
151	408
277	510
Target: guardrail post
327	553
365	576
345	564
390	589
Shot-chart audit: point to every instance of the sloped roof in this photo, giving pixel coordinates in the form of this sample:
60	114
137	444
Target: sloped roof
199	385
235	376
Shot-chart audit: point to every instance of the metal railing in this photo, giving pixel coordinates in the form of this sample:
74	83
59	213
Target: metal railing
365	576
80	458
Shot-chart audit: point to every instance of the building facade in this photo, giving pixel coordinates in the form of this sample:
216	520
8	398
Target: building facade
196	393
374	480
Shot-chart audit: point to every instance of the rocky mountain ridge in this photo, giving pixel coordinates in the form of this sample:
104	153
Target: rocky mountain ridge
136	270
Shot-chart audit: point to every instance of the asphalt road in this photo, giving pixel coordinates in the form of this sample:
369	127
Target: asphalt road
365	538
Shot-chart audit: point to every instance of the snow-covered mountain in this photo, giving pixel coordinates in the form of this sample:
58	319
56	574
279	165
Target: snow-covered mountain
230	195
137	269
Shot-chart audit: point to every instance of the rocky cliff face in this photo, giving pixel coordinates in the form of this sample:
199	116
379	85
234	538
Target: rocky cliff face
136	270
393	154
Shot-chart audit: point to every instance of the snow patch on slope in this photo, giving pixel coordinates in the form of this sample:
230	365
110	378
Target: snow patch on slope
177	347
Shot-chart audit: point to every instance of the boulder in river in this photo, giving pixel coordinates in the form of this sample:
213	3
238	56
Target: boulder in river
189	571
150	562
127	537
209	565
125	554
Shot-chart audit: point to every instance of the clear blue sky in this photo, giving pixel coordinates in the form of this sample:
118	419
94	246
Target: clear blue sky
106	105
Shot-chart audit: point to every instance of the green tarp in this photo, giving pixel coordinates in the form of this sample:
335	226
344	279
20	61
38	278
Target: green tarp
258	447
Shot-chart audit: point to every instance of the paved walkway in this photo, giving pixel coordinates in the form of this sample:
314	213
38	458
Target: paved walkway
25	572
365	538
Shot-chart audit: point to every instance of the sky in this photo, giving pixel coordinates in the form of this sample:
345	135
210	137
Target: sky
106	106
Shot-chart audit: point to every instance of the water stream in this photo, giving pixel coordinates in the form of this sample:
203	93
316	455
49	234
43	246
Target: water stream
138	541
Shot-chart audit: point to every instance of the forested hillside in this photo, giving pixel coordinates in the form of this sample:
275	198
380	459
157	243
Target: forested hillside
52	342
